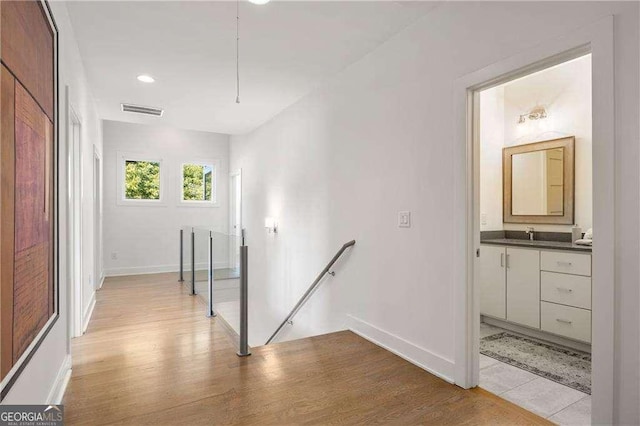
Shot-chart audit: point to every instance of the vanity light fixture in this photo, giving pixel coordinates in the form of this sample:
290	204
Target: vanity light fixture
271	225
259	2
146	78
537	113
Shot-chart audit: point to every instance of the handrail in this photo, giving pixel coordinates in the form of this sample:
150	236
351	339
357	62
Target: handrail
315	283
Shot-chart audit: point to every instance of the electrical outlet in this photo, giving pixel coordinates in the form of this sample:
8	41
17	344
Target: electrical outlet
114	255
483	219
404	219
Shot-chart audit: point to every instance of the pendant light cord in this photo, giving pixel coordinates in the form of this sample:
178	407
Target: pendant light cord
237	51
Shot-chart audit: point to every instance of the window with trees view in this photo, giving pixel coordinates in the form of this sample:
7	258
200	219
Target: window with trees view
198	182
142	180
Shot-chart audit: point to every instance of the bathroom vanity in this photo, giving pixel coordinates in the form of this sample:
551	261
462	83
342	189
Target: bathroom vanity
542	285
539	281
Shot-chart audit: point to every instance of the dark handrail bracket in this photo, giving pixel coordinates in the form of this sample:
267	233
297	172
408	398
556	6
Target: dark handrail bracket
305	296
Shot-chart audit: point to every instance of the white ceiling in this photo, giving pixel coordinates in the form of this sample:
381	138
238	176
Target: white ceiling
286	49
545	87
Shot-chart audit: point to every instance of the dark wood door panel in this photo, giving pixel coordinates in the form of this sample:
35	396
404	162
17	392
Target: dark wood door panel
27	49
27	176
7	173
49	207
33	218
31	181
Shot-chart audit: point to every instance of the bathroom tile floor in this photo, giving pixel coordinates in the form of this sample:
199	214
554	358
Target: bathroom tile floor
558	403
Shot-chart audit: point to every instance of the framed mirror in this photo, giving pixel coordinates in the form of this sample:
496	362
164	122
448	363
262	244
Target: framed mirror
538	182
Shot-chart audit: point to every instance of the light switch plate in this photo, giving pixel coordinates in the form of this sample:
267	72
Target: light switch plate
404	219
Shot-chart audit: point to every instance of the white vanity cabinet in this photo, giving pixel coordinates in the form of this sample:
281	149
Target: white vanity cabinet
547	290
523	286
493	281
567	321
566	262
566	294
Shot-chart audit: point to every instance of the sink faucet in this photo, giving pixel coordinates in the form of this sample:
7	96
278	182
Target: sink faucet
529	232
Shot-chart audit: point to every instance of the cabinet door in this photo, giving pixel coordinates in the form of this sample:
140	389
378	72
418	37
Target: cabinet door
492	277
523	286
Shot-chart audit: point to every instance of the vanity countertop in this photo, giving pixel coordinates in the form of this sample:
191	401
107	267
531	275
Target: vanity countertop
555	245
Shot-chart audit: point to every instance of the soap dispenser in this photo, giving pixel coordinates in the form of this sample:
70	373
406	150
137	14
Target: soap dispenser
576	233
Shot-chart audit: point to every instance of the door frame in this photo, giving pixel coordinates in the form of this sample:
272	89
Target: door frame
97	219
232	194
597	39
75	219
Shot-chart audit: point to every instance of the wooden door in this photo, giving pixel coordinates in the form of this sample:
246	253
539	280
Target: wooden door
27	169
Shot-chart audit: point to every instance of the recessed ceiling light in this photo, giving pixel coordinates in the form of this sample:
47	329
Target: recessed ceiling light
260	2
146	78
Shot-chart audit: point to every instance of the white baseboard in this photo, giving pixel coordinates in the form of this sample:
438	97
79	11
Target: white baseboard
423	358
60	384
157	269
88	312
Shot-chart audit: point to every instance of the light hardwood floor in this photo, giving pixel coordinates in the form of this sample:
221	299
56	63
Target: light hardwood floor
150	356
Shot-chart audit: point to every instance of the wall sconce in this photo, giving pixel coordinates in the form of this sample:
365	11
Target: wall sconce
537	113
271	225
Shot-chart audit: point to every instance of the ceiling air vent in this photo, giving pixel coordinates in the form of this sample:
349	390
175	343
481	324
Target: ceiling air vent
157	112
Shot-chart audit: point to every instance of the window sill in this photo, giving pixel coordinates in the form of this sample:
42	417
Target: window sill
198	204
141	203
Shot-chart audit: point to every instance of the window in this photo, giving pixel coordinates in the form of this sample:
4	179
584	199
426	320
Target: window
199	183
140	180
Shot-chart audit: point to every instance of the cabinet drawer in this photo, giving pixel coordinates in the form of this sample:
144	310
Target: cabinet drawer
572	290
567	263
574	323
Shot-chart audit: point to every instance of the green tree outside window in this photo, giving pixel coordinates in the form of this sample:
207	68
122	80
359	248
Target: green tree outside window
142	180
208	184
197	182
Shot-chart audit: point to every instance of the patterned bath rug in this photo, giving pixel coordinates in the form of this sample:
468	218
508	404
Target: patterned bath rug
568	367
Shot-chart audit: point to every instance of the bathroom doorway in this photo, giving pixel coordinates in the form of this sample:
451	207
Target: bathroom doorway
595	39
533	268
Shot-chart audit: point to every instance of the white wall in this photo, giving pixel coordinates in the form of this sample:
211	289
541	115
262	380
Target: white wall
565	92
42	376
491	144
145	238
378	138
